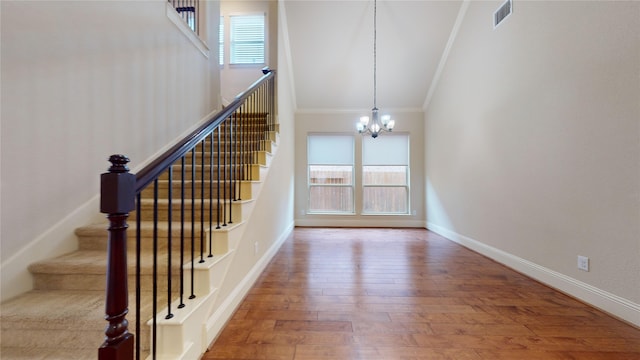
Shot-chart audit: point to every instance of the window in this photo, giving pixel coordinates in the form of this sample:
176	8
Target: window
247	43
385	174
331	164
221	41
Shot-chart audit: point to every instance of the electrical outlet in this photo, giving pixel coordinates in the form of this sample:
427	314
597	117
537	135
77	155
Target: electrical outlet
583	263
255	248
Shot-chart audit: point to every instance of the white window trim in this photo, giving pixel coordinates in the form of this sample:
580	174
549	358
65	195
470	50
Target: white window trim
227	44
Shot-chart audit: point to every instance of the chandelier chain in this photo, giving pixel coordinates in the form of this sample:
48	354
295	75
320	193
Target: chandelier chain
375	35
378	123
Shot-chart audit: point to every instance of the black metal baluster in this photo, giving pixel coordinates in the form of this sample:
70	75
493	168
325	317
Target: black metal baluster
224	175
182	196
238	169
202	179
155	270
211	196
193	217
138	267
169	239
242	150
218	212
230	168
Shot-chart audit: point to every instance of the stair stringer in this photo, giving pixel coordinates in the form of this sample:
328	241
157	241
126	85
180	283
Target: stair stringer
188	334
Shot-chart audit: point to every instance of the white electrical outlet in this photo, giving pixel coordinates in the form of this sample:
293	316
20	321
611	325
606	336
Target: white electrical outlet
583	263
255	248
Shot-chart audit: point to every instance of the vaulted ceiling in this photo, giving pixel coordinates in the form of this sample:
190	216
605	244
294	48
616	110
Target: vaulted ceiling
331	47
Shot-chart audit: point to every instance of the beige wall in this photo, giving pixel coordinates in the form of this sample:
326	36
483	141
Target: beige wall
81	81
407	121
533	145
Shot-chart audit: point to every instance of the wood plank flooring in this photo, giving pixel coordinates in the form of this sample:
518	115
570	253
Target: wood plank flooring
409	294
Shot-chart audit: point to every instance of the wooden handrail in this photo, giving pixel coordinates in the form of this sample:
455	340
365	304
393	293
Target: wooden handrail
145	176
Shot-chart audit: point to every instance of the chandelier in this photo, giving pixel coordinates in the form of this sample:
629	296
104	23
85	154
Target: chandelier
378	122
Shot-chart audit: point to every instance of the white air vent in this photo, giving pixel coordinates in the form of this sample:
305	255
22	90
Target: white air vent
503	11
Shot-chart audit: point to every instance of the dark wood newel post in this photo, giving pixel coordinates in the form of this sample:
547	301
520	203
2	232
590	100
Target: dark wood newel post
117	199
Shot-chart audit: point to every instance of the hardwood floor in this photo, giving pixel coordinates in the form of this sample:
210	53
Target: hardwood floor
409	294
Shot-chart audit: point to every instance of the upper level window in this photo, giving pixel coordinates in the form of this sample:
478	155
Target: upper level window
385	174
221	41
247	39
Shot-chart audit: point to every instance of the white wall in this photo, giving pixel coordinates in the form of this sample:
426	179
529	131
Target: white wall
82	80
533	145
407	121
237	78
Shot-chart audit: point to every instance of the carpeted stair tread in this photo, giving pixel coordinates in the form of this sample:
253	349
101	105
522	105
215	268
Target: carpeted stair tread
20	353
94	262
59	324
54	309
146	229
78	262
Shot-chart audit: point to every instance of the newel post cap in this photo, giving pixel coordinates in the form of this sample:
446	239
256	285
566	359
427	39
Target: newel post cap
117	187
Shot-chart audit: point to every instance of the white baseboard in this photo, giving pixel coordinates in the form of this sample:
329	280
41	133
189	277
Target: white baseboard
374	221
221	316
608	302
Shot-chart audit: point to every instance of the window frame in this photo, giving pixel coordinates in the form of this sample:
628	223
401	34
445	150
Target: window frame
406	185
221	40
351	185
231	40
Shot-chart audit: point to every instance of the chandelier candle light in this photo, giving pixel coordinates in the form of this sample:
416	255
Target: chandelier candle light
378	123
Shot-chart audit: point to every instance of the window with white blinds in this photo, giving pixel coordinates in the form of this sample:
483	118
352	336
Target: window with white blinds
221	41
385	174
330	161
247	39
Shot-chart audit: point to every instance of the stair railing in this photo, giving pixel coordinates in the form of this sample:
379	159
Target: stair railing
188	10
207	168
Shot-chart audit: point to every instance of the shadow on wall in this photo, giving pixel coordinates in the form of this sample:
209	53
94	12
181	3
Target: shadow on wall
437	217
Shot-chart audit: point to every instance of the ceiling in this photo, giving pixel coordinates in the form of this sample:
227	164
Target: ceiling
331	47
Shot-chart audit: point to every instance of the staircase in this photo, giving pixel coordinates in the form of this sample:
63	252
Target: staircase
63	317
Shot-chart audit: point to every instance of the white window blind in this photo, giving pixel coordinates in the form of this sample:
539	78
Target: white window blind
330	161
330	149
247	39
221	41
385	150
385	174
